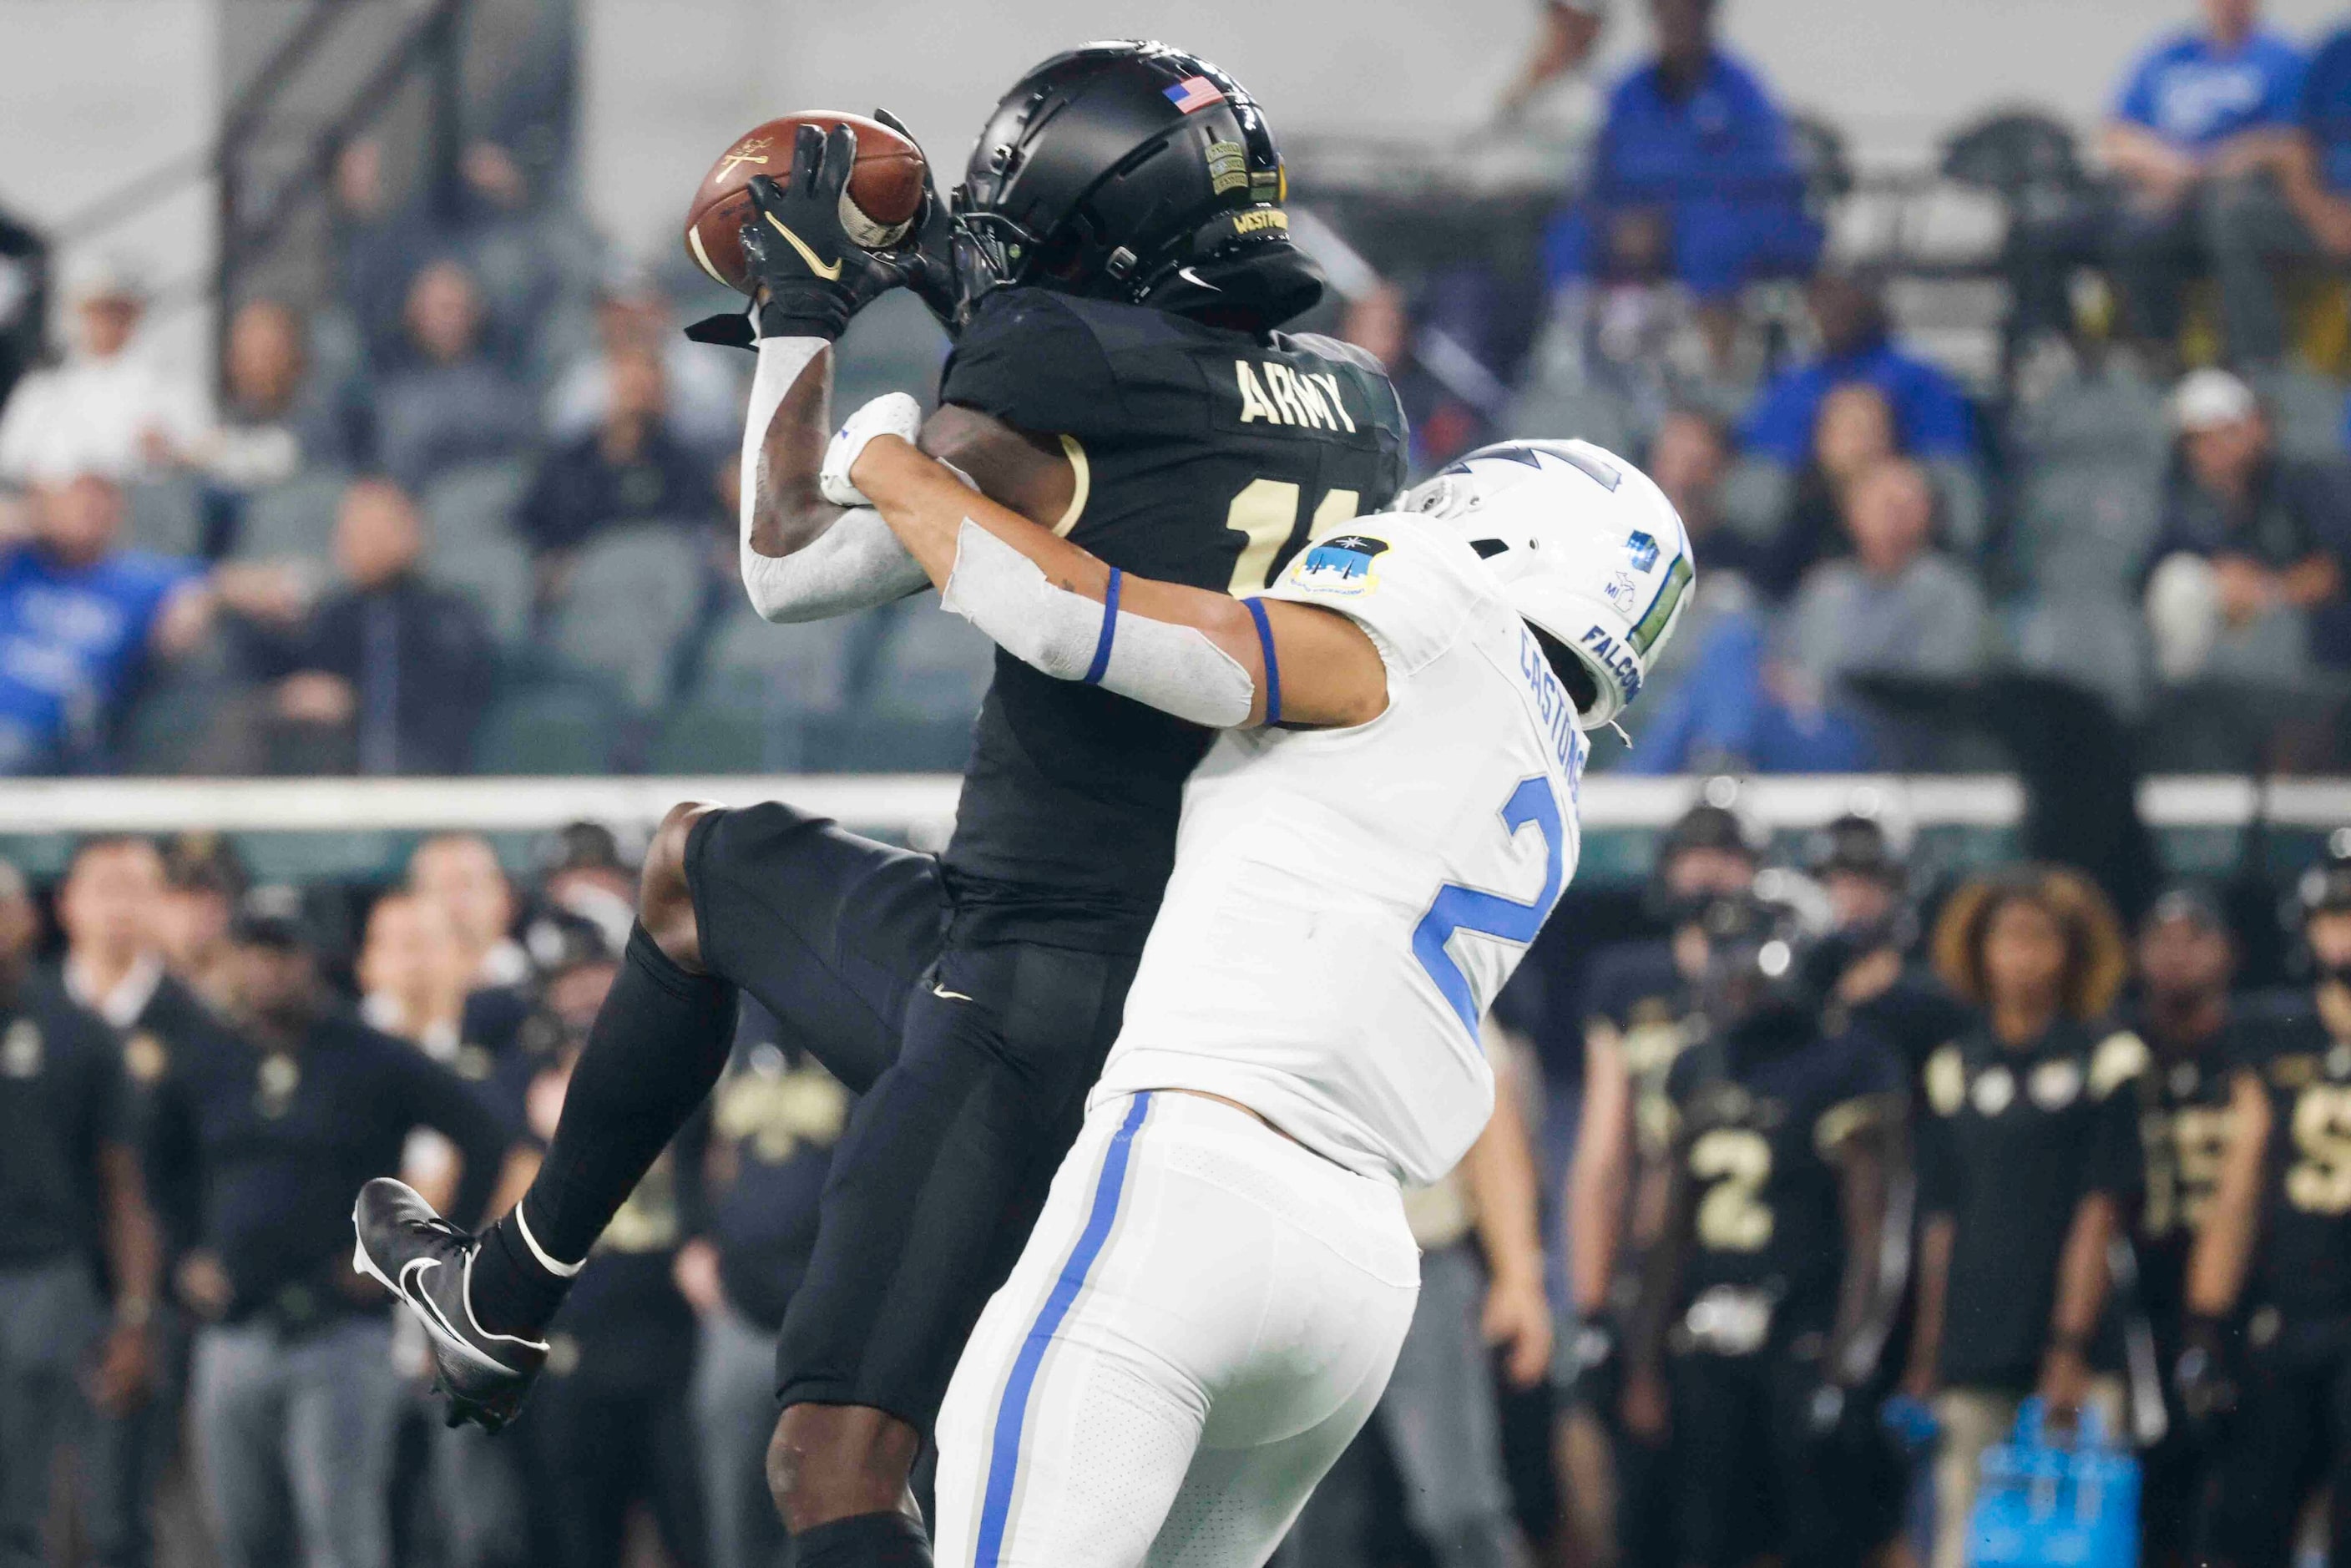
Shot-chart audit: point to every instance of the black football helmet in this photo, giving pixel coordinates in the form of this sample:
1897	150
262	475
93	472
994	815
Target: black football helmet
1765	954
1135	171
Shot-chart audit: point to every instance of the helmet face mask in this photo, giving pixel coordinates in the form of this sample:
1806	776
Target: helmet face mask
1589	550
1766	951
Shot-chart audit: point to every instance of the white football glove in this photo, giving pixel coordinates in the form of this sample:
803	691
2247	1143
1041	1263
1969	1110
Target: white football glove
891	413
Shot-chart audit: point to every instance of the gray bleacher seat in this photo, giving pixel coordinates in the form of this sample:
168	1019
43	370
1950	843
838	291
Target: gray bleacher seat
699	736
932	667
564	726
2090	451
2115	414
479	499
495	570
1755	496
1547	411
2306	410
1959	504
761	686
295	516
801	667
189	716
2084	526
164	515
2097	640
914	708
630	596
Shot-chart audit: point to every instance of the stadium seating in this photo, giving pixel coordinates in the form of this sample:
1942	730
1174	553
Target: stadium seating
293	517
479	499
759	686
550	723
495	570
628	599
2305	409
165	516
920	693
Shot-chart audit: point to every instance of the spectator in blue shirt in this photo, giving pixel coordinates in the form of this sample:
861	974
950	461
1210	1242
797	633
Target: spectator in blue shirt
79	617
2193	138
1930	413
1695	177
2312	163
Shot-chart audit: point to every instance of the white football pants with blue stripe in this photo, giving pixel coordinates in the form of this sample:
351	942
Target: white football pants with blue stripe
1203	1320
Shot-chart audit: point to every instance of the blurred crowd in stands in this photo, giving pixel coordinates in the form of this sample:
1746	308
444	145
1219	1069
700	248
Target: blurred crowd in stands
468	512
196	1074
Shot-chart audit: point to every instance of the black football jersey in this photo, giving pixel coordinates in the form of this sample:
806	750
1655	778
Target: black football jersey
2184	1125
2011	1141
2303	1265
1204	456
1636	990
1759	1134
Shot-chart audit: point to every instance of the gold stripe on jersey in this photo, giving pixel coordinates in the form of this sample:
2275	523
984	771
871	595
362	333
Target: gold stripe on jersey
1074	450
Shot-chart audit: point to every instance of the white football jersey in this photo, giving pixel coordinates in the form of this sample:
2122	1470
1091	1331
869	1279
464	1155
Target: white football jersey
1347	904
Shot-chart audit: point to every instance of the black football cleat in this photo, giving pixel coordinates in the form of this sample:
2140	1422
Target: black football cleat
428	1263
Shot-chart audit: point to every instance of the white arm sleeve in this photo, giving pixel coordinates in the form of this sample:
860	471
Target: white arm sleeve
1175	669
855	564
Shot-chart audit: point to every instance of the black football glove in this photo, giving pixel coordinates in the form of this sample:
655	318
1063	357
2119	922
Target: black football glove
928	252
813	276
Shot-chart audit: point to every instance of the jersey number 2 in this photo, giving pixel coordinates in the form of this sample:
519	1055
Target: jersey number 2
1460	908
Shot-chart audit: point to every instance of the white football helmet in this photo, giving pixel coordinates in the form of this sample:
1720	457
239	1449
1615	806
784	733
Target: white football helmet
1588	549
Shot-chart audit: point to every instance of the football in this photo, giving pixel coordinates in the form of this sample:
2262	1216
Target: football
886	190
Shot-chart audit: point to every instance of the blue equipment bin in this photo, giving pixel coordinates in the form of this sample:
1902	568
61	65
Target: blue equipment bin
2056	1501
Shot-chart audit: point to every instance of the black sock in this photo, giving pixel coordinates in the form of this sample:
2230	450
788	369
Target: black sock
891	1540
658	1045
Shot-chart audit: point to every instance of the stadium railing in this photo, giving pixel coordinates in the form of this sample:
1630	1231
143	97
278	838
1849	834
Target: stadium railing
921	804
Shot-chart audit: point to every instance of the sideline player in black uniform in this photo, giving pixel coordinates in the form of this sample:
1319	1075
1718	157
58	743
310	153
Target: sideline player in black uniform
2185	959
2273	1262
1766	1298
1641	1001
1121	257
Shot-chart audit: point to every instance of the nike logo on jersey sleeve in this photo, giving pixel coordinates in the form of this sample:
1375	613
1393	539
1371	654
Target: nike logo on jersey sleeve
1275	393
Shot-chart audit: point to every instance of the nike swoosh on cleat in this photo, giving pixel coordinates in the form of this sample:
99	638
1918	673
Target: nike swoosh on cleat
451	1339
829	273
1193	279
939	990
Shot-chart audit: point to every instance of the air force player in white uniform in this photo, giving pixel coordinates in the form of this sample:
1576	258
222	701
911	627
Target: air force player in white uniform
1211	1302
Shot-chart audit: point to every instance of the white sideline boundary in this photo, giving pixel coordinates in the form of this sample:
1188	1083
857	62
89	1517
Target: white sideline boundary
924	803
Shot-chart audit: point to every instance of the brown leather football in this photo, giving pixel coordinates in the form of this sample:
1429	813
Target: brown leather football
886	190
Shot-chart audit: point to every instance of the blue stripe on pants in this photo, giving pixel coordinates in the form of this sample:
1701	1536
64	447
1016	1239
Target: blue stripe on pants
1004	1454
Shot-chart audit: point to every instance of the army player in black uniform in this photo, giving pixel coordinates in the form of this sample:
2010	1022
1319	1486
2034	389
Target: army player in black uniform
1640	1009
1766	1300
2185	959
1120	257
2269	1286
